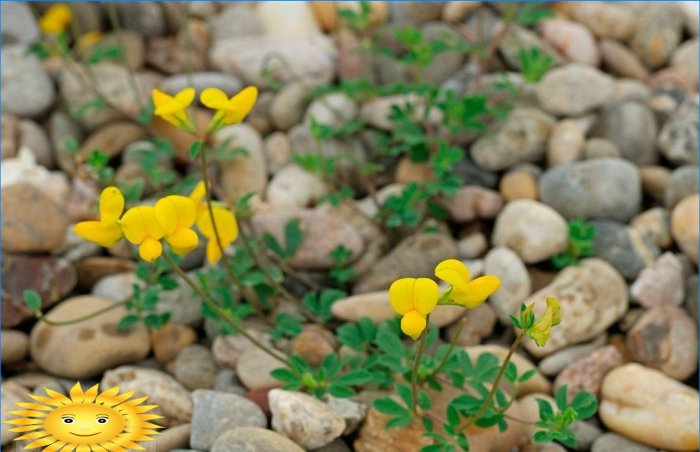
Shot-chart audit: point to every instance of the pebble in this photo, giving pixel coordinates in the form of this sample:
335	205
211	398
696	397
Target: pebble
572	40
327	13
566	142
587	373
374	436
33	137
665	338
112	139
18	25
15	345
278	152
444	64
96	337
170	439
311	56
116	83
195	368
515	282
660	284
623	247
655	224
228	348
682	183
574	89
253	439
685	61
521	138
520	183
244	173
173	400
473	202
472	245
605	20
478	323
557	361
415	256
304	419
313	344
291	20
517	38
593	295
289	104
24	169
655	179
322	234
691	296
611	441
27	90
52	278
253	369
202	80
456	11
334	109
168	340
646	406
678	139
375	305
603	188
596	148
632	127
621	61
11	394
538	383
294	187
533	230
226	381
684	226
235	20
132	43
148	19
353	412
657	32
215	413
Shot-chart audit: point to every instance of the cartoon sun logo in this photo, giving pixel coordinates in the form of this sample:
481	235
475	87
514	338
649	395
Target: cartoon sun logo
87	421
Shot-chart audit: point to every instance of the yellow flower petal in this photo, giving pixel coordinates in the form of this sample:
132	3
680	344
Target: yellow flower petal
182	241
213	252
103	234
198	194
150	249
214	98
185	97
240	105
226	225
56	19
476	291
166	104
175	212
425	295
413	324
401	295
111	205
140	223
553	305
453	272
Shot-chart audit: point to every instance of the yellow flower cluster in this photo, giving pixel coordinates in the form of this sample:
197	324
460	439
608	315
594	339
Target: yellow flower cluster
415	298
228	111
171	220
56	19
541	330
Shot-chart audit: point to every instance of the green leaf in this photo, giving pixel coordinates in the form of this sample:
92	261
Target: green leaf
389	406
560	397
127	321
195	149
585	404
511	372
32	300
390	344
354	378
340	391
293	236
545	409
273	245
527	375
284	375
399	422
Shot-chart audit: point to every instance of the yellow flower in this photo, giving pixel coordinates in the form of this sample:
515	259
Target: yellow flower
56	19
229	111
89	39
469	294
541	331
141	227
226	224
414	299
176	215
105	232
172	109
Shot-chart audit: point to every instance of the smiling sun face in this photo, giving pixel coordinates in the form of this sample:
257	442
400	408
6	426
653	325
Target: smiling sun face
86	421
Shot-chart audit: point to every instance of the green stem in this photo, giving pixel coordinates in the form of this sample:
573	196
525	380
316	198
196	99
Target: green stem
494	388
255	303
97	313
416	365
450	349
214	307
